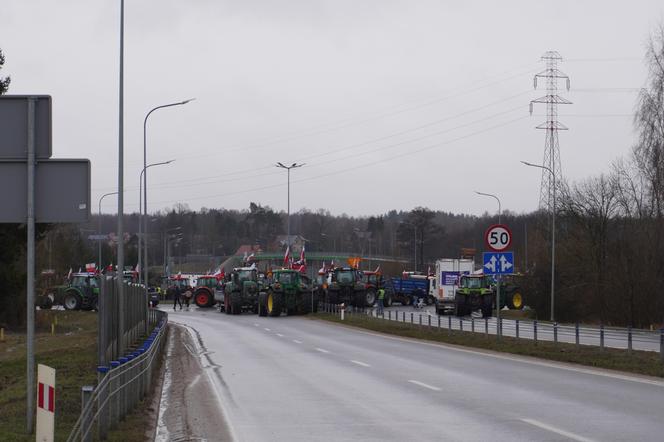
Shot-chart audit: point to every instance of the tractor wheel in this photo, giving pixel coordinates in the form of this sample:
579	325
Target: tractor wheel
45	302
227	304
370	298
429	300
202	298
236	303
405	300
72	300
487	306
262	304
460	305
274	303
515	301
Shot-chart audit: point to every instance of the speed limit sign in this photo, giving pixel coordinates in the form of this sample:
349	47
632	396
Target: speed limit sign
498	237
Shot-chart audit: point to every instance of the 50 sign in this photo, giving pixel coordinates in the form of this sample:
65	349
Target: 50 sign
498	237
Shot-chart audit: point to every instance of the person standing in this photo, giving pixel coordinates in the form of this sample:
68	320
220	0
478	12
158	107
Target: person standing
381	300
176	297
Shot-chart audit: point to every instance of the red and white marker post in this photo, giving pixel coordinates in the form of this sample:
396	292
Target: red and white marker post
45	403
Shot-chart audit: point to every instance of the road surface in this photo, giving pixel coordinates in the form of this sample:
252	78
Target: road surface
298	379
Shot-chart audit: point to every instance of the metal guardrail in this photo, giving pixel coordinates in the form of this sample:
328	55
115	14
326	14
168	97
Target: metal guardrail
629	339
124	377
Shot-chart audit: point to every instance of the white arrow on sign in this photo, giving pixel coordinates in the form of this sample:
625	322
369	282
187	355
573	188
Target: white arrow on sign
505	265
491	265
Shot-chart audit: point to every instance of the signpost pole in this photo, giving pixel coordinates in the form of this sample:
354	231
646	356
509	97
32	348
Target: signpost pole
498	330
30	350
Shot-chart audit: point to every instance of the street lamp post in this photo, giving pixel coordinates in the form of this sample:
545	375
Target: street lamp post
99	223
496	198
145	177
142	227
553	234
498	277
288	168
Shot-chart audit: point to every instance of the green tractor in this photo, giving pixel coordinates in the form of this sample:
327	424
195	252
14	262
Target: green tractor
241	292
82	292
290	291
346	287
510	292
474	292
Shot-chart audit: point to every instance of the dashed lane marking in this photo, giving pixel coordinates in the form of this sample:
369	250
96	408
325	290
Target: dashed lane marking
322	350
296	341
363	364
280	335
559	431
267	329
422	384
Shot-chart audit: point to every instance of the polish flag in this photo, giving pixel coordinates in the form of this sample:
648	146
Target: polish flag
303	260
91	267
286	256
46	397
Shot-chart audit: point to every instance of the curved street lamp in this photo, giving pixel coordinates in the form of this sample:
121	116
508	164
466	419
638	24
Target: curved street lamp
492	196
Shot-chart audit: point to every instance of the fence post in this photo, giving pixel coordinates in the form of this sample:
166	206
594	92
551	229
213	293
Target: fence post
411	318
517	328
449	325
403	315
472	324
661	344
601	337
114	402
104	410
438	321
629	339
486	327
535	331
389	315
460	324
555	332
429	321
420	319
86	395
576	333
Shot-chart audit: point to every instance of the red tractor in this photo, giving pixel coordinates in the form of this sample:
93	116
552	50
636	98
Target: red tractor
204	291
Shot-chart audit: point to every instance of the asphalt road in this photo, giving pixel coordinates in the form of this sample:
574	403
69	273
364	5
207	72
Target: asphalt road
297	379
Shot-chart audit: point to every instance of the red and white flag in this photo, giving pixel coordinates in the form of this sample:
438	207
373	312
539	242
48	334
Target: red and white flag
46	397
91	267
287	256
69	274
303	259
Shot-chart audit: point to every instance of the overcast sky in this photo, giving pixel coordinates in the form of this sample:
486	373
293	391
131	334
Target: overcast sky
391	104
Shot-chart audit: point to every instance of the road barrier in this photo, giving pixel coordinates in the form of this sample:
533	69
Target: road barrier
601	336
124	377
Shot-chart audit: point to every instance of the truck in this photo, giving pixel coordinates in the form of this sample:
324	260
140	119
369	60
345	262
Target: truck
407	288
242	291
446	280
289	291
346	287
474	292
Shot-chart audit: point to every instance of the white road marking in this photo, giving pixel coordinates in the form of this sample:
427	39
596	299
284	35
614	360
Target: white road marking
267	329
322	350
422	384
296	341
280	335
363	364
552	429
256	325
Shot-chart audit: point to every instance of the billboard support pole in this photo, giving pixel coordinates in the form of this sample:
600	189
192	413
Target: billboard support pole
30	356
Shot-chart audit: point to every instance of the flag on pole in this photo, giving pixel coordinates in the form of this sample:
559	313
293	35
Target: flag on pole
303	259
69	274
287	256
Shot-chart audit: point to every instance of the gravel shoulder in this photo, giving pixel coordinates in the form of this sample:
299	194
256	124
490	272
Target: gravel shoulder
189	409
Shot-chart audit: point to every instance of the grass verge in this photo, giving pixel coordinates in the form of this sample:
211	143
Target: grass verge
639	362
71	350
